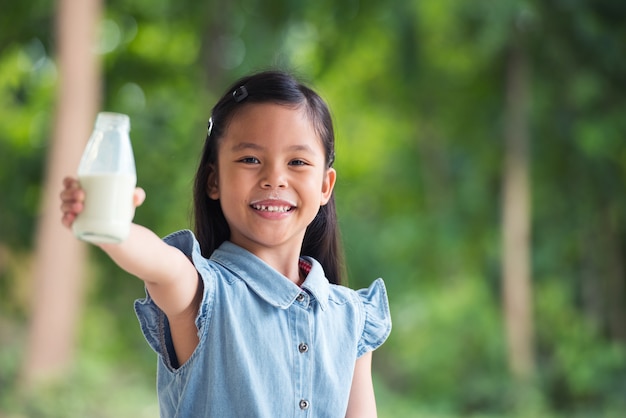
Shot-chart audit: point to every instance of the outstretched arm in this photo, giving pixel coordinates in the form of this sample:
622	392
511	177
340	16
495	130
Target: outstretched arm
362	403
170	277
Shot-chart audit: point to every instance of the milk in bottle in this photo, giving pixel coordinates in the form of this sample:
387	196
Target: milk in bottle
107	175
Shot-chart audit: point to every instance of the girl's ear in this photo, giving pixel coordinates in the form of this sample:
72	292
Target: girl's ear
328	185
212	189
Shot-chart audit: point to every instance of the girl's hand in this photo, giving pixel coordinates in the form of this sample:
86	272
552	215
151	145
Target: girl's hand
73	200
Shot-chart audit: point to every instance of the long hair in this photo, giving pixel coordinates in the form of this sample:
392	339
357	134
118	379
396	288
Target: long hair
322	238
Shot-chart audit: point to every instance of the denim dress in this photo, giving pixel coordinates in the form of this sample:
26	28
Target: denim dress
267	347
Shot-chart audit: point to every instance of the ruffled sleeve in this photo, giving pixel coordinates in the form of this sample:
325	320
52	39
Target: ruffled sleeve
153	321
377	321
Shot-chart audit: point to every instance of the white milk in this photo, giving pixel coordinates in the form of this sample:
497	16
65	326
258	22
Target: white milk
108	209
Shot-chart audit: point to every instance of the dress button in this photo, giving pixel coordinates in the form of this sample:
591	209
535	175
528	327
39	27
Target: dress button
300	297
304	404
303	348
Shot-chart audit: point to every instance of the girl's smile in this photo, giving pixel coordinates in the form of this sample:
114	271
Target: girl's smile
272	208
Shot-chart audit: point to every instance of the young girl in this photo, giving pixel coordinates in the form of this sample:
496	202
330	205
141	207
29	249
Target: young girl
247	316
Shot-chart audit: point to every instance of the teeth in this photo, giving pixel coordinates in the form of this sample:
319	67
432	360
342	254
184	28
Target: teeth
266	208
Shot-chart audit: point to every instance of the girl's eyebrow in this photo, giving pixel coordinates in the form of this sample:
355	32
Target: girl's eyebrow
256	147
246	145
303	147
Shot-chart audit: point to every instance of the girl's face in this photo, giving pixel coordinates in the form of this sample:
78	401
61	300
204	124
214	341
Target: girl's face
271	177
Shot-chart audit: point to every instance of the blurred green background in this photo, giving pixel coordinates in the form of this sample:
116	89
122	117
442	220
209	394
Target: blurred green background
418	93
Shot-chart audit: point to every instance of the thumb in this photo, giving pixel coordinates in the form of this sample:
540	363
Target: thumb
139	196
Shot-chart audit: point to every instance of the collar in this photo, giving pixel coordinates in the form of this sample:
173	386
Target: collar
266	282
316	282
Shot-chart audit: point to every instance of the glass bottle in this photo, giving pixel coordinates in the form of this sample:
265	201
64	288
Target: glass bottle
107	175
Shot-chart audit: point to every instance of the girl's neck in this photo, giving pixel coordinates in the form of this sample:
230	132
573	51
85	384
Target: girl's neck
283	260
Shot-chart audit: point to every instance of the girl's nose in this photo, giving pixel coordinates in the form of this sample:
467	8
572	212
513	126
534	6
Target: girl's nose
273	178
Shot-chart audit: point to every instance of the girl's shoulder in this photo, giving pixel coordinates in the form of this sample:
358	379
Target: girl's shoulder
374	295
186	241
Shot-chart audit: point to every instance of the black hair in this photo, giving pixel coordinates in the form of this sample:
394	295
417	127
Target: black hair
322	238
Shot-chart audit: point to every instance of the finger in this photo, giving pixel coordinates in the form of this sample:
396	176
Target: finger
71	183
139	196
68	219
71	190
74	207
72	195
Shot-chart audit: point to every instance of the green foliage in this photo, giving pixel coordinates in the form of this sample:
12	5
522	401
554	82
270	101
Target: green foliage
95	388
27	81
578	369
447	348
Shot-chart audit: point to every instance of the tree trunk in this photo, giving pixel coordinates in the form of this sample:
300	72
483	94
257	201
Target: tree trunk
614	276
59	261
517	287
219	14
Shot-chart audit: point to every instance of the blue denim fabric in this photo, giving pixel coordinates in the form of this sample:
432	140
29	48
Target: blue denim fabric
268	348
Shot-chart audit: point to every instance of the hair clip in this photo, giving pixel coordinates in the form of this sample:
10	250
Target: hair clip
240	93
210	127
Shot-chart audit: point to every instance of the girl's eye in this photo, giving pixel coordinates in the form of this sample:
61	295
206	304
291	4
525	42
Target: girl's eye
297	162
249	160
